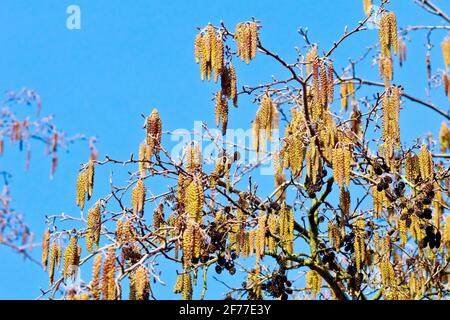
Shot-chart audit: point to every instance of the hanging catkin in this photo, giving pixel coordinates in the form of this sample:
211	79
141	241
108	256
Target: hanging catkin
367	7
194	198
45	248
93	227
444	137
445	45
359	245
426	163
138	197
265	122
95	282
71	258
154	133
221	111
90	172
81	189
246	35
108	276
141	283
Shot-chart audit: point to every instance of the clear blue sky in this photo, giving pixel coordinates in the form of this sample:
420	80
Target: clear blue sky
132	56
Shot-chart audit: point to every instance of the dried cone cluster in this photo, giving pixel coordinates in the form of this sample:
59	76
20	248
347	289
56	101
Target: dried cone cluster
388	41
246	35
265	122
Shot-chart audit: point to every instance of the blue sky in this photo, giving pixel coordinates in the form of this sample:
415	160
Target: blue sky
130	57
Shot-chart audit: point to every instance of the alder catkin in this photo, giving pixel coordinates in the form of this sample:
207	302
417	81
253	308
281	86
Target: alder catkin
154	132
95	282
81	189
138	197
45	248
444	137
93	227
141	283
52	262
367	7
445	45
71	258
108	276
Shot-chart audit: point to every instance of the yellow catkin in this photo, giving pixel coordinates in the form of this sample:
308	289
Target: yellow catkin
93	227
138	197
188	242
81	189
90	172
221	111
444	137
187	286
198	47
144	158
265	122
251	242
359	244
446	234
194	199
108	276
45	248
378	199
274	231
95	282
71	258
445	45
426	163
253	39
292	153
344	95
261	236
330	85
142	283
313	283
403	231
52	261
246	36
178	287
233	85
154	132
367	7
193	156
